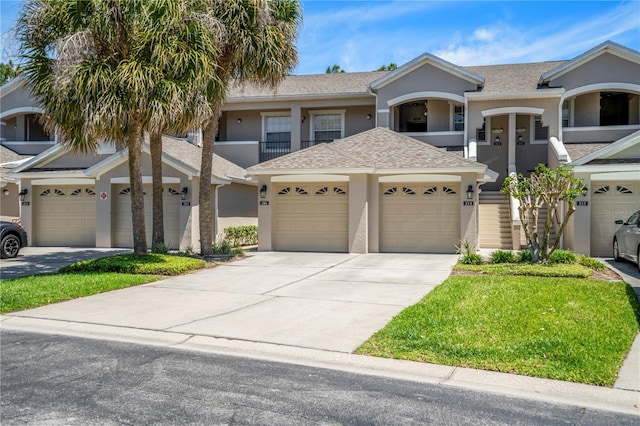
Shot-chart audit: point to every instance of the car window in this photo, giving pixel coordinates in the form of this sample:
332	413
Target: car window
633	220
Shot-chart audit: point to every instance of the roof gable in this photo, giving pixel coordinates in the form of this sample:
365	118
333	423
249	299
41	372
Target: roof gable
378	150
424	59
606	47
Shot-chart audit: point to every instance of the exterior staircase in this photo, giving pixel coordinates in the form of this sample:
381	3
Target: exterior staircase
542	218
495	221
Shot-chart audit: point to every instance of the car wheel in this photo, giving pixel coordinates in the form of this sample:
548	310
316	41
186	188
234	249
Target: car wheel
616	251
9	247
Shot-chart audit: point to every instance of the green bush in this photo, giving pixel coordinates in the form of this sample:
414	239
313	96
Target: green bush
525	257
590	262
238	236
502	256
563	256
161	248
153	263
471	259
224	248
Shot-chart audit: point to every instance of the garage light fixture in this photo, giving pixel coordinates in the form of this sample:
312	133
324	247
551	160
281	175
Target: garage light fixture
5	192
239	121
183	193
263	191
585	191
470	192
23	194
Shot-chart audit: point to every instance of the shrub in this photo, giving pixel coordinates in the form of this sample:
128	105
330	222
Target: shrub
160	248
502	256
465	247
224	248
563	256
471	259
154	264
525	257
238	236
590	262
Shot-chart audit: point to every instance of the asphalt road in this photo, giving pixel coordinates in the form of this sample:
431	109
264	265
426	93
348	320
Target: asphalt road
56	380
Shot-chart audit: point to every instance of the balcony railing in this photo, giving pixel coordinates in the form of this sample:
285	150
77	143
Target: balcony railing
271	150
309	144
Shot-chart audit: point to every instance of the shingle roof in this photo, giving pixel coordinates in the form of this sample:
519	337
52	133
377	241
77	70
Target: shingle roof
7	155
313	84
510	78
378	148
191	155
579	150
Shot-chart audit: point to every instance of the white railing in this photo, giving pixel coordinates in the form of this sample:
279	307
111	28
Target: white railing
559	151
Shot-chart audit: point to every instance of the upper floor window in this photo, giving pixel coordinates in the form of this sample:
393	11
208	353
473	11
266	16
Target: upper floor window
541	132
481	133
458	118
614	109
326	126
277	128
565	113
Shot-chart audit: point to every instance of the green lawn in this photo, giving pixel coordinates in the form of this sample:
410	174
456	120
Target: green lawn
569	329
91	277
37	290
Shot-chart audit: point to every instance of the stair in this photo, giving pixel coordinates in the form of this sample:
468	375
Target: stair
542	218
495	221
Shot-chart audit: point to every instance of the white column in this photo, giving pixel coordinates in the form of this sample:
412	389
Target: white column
512	139
296	120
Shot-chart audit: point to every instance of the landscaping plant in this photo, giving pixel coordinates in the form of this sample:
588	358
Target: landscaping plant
546	188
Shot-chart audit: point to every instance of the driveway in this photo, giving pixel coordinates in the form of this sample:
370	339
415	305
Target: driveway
312	300
46	260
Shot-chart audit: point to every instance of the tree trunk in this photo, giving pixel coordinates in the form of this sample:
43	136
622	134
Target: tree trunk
156	175
206	166
134	143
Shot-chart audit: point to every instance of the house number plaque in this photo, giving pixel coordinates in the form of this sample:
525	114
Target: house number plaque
467	203
582	203
264	203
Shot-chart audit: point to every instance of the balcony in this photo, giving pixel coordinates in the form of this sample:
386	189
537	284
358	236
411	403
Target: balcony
270	150
309	144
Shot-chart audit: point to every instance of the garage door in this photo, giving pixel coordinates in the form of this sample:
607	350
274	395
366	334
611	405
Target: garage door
123	228
610	201
65	216
419	218
311	217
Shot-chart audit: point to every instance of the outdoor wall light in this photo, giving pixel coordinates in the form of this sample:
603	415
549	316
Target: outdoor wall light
302	119
520	130
368	116
239	121
497	141
183	193
5	192
470	192
520	140
263	191
23	194
585	191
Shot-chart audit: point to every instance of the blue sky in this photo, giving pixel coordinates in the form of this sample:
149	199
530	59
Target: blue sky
363	35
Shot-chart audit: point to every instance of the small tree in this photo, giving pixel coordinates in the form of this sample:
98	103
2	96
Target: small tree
334	69
391	67
549	189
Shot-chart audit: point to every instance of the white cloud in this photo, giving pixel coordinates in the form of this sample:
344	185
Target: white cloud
485	34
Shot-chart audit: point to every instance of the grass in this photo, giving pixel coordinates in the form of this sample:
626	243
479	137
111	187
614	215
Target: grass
91	277
38	290
152	263
570	329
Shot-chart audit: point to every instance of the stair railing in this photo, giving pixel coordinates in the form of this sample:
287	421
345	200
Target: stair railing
514	206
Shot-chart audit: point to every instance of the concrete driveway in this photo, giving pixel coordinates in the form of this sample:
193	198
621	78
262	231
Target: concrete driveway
46	260
311	300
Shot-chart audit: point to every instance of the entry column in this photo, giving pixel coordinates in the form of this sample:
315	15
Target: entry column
358	207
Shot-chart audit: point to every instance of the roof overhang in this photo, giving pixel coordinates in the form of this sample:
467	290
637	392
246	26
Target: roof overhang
537	94
12	85
297	97
606	47
427	58
607	168
43	158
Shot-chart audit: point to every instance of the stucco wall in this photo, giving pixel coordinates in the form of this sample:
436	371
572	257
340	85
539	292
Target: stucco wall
587	110
602	69
242	153
18	98
9	203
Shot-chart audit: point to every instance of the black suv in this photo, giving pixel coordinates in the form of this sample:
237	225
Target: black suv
12	238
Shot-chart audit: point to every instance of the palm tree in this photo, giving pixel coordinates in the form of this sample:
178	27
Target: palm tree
112	69
259	48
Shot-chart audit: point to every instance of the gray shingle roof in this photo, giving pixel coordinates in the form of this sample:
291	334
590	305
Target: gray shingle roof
7	155
508	78
191	155
579	150
378	148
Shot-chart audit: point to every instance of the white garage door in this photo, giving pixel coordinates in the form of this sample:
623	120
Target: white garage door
123	228
65	216
419	218
311	217
610	201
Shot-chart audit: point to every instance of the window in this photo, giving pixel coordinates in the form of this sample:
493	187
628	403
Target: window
277	130
458	118
481	133
614	109
327	126
565	113
541	132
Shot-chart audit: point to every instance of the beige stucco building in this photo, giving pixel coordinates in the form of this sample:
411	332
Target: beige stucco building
419	156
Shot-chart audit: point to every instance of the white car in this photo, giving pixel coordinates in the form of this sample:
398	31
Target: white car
626	241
